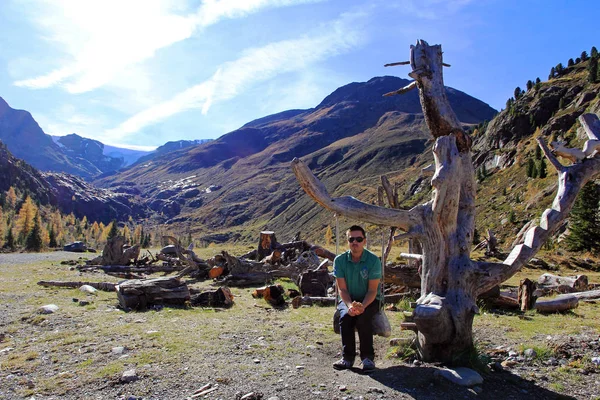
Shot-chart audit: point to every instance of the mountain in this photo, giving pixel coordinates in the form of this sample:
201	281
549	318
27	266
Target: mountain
169	147
240	183
88	152
68	193
129	156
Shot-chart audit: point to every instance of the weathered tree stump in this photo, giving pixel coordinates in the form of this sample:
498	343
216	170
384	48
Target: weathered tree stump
315	283
526	294
266	244
139	294
221	297
114	254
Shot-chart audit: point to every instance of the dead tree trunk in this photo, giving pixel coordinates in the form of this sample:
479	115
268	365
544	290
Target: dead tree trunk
266	244
526	296
450	280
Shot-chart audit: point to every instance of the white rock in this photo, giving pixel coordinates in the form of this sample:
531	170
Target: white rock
129	376
461	376
118	350
530	353
88	289
48	309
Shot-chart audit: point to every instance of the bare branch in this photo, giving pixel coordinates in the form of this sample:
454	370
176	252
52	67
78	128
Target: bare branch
389	191
412	256
591	125
351	207
553	160
403	90
397	63
570	180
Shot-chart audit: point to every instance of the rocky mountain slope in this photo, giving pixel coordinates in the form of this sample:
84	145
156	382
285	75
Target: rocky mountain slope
242	182
68	193
27	141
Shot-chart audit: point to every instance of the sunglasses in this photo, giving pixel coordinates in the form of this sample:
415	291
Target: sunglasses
358	239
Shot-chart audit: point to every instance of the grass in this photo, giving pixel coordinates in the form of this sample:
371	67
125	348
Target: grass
80	339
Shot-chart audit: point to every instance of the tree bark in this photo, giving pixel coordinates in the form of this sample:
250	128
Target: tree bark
526	296
577	283
138	294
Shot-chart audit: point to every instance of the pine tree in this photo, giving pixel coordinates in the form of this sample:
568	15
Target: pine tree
11	198
577	60
114	231
531	171
517	93
584	56
594	52
33	242
9	241
593	70
542	172
571	62
584	222
511	217
559	68
529	85
552	72
52	238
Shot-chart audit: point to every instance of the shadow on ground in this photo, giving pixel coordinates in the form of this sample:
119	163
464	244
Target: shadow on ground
421	383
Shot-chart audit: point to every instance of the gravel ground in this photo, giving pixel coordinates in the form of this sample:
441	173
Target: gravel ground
251	348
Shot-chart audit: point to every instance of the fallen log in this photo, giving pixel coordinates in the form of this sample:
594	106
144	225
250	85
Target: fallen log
272	294
247	279
567	284
589	295
559	303
403	275
221	297
331	301
104	286
150	269
138	294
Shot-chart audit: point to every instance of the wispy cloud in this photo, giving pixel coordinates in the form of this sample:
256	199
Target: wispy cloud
255	65
99	39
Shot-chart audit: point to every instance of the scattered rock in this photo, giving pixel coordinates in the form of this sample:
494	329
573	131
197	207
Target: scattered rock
530	353
88	289
342	388
375	390
256	361
129	376
461	376
84	303
118	350
48	309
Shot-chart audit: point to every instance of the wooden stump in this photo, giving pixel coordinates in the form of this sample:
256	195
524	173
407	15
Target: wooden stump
221	297
526	296
266	244
315	283
139	294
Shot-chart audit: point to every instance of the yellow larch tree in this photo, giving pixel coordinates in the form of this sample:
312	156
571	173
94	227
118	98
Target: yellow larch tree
25	218
11	198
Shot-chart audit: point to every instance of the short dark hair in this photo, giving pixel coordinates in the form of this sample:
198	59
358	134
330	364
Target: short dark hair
356	228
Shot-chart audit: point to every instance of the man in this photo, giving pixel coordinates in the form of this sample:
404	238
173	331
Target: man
358	273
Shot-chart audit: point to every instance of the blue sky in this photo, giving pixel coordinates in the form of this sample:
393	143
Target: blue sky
143	72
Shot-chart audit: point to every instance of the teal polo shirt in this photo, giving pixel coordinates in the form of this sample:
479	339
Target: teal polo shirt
357	275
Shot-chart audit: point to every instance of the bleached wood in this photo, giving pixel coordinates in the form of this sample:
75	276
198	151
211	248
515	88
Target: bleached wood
351	207
557	304
412	256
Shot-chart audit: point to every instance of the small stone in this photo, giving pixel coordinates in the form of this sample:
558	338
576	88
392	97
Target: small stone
552	361
375	390
530	353
273	398
6	349
129	376
319	343
508	363
512	353
256	361
562	361
88	289
118	350
417	363
299	367
48	309
311	347
84	303
342	388
461	376
548	337
596	360
151	332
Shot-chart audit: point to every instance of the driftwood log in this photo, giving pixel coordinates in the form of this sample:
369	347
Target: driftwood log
450	279
150	269
558	304
139	294
221	297
563	284
104	286
114	253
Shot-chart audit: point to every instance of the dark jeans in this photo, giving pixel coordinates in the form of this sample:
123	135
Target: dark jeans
364	325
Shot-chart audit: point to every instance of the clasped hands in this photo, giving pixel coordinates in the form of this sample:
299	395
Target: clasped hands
356	308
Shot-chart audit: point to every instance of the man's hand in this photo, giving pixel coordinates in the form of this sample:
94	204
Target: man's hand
356	308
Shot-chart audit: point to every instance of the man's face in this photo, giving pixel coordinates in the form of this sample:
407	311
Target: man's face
356	241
